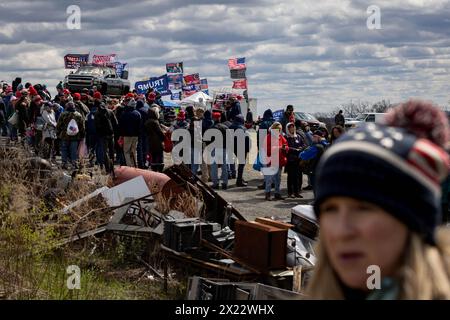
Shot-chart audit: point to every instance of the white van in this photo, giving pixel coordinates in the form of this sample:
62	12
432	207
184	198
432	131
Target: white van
365	117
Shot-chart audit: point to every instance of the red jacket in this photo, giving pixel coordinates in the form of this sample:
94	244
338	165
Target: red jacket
282	153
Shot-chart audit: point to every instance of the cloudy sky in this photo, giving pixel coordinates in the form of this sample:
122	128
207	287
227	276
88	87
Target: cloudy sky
313	54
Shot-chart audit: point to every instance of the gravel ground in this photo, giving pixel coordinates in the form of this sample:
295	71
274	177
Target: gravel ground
250	200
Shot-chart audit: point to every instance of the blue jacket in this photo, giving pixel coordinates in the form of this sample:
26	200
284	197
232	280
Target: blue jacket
143	109
58	111
238	123
309	137
267	120
130	122
313	151
234	111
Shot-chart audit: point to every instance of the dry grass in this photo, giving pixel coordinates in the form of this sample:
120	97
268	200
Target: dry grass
31	264
189	202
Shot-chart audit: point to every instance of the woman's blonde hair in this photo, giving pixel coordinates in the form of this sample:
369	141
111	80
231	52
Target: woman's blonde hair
423	275
276	126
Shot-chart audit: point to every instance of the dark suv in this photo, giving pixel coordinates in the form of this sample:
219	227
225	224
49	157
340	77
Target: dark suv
104	78
312	122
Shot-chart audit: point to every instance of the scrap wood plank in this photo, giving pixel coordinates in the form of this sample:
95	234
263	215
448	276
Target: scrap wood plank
82	235
183	257
127	228
228	255
297	281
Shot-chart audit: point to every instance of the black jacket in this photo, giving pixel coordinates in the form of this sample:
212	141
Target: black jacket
339	119
105	122
154	132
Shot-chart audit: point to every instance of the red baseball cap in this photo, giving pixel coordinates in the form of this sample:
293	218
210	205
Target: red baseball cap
97	95
66	91
151	96
76	96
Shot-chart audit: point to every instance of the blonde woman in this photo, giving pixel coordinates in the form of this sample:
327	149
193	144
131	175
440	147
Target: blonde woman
378	204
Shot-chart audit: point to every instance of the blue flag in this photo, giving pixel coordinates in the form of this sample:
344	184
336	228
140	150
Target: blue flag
160	84
119	68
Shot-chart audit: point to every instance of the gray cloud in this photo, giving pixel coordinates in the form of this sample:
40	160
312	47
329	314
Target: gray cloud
313	54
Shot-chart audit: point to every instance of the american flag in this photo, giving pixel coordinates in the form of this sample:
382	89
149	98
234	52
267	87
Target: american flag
240	84
236	63
103	60
204	84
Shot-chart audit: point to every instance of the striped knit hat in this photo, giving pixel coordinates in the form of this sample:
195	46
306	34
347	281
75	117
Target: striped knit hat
398	166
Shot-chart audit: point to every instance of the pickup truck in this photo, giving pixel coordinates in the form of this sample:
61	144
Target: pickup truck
104	78
365	117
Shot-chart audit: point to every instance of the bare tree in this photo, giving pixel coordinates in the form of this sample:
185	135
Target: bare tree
382	106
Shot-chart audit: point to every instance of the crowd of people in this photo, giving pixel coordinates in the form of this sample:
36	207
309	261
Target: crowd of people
136	130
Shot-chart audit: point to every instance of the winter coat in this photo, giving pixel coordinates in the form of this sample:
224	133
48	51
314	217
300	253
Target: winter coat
339	120
286	119
90	122
238	123
63	122
22	113
282	154
302	136
34	111
59	110
143	110
154	132
266	123
294	142
234	111
49	130
311	156
130	123
105	122
222	127
81	108
207	122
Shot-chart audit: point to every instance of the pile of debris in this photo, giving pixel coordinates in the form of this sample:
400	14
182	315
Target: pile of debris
190	222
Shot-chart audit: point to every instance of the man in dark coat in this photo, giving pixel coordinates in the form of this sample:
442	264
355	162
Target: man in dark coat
105	126
155	136
339	119
238	124
130	127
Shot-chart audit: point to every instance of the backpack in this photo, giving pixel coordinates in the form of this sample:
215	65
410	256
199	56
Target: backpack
308	166
72	128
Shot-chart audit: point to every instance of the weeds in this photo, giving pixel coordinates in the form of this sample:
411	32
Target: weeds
32	266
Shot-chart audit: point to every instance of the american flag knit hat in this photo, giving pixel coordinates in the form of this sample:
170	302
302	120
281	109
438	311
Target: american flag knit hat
398	166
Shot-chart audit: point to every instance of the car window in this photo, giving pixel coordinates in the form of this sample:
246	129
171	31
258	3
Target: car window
305	116
361	117
310	117
370	118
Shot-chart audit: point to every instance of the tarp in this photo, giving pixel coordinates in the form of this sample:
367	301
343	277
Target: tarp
195	98
169	103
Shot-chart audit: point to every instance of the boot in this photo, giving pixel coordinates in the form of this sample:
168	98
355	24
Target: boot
267	196
278	196
241	183
262	187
